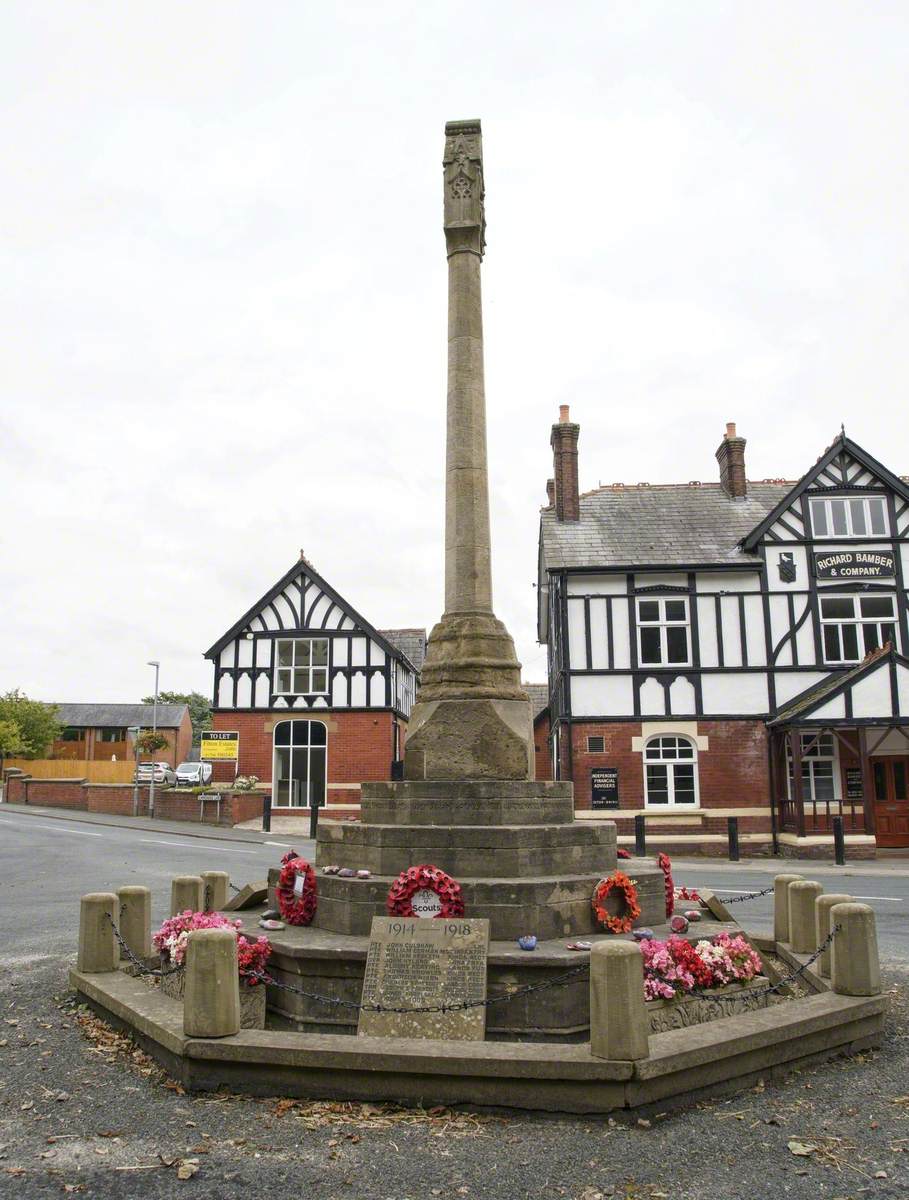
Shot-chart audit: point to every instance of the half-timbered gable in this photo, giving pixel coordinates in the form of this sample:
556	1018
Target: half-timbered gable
701	612
301	646
318	697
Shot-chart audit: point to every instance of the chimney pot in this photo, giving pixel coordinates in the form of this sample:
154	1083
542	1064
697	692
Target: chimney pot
563	414
730	429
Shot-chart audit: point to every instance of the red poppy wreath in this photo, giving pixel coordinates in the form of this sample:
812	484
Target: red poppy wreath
618	882
665	865
414	883
297	902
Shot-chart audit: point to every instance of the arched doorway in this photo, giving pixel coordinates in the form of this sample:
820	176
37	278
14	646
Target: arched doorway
299	772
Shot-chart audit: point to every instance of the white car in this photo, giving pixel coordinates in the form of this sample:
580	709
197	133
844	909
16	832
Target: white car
193	774
161	772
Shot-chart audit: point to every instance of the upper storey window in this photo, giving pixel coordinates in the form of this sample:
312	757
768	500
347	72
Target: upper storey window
663	631
845	517
301	666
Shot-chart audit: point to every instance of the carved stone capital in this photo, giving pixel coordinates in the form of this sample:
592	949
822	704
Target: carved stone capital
465	219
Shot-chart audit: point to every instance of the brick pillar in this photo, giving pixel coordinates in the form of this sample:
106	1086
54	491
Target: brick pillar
731	457
564	442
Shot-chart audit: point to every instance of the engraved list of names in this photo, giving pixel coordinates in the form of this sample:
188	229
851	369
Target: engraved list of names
420	962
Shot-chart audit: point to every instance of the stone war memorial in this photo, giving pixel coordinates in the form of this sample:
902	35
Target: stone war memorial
468	941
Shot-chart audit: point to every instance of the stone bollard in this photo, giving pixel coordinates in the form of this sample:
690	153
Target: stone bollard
211	1001
98	950
619	1024
803	896
187	891
855	969
822	926
215	884
781	905
135	919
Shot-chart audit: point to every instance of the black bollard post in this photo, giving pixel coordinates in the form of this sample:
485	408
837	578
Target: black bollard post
733	823
839	842
314	807
266	813
640	836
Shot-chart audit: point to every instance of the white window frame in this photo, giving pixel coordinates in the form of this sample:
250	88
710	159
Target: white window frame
670	762
293	668
856	620
663	623
810	758
299	747
826	502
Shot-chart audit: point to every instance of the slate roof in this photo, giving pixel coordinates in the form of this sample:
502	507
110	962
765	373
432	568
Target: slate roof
119	716
539	697
801	704
667	524
411	643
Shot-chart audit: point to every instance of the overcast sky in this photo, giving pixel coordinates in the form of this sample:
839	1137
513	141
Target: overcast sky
223	290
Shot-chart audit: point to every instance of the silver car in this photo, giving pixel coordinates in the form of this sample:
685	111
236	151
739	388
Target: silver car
193	774
161	772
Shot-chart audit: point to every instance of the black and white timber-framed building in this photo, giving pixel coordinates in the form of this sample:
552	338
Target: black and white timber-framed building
731	649
319	696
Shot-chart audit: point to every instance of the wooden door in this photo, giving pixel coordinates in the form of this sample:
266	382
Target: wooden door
891	800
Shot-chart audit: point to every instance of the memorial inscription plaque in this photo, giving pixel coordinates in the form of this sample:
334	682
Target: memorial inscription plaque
416	962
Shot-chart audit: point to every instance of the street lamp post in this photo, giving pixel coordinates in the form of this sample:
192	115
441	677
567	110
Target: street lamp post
151	786
135	730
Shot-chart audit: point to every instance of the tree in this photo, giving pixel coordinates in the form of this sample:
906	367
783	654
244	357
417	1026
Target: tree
11	742
37	722
199	709
150	742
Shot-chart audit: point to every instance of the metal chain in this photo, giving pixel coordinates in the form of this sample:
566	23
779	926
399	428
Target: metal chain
263	977
137	962
746	896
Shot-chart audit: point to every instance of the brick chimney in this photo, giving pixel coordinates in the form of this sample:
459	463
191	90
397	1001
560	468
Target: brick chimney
564	442
731	457
550	493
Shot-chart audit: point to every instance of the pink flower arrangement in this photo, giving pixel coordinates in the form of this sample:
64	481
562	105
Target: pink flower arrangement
675	967
170	940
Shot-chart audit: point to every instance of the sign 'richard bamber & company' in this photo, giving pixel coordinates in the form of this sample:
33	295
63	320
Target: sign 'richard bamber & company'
854	564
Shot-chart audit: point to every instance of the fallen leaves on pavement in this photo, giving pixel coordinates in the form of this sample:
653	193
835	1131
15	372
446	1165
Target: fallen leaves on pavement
317	1114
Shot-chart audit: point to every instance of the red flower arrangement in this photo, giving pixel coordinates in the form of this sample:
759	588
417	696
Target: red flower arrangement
617	882
684	893
665	865
623	853
296	908
425	877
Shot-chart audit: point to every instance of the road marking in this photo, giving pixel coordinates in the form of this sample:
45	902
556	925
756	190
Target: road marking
50	828
283	845
193	845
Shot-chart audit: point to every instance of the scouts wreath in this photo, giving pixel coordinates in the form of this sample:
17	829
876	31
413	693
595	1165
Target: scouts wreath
417	879
296	909
617	882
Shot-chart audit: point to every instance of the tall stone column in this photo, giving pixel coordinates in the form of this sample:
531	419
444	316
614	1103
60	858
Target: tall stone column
472	718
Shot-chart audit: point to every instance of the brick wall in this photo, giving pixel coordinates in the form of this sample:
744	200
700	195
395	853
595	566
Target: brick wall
117	800
359	747
732	773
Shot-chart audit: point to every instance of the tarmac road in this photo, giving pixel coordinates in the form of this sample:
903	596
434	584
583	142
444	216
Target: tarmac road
48	860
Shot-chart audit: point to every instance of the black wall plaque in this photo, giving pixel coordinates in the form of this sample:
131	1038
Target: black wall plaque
854	787
854	564
604	787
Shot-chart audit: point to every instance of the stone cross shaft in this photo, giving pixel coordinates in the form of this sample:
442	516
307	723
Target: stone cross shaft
472	716
468	572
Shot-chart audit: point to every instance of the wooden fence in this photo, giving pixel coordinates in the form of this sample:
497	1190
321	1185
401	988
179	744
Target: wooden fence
74	768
